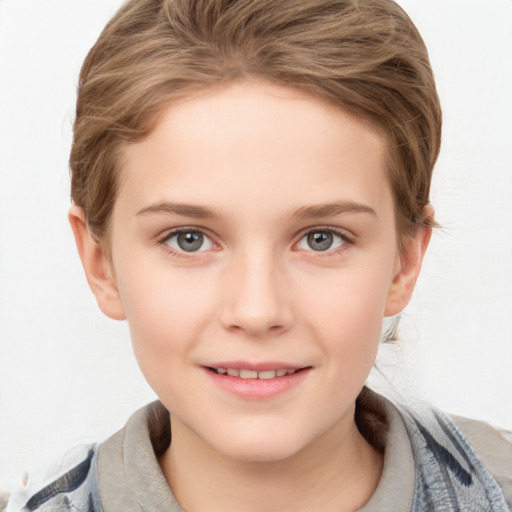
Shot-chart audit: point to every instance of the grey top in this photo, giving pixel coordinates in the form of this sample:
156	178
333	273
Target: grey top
131	478
429	465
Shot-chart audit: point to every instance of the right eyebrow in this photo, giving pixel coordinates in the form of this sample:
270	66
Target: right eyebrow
333	209
186	210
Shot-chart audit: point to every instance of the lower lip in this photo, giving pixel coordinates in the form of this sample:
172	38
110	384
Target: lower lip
257	389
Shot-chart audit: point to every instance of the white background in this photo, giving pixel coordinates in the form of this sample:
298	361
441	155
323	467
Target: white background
67	374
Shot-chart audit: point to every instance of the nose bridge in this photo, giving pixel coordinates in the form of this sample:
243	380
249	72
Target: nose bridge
256	300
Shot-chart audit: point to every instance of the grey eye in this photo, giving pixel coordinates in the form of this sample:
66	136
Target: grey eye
321	240
189	241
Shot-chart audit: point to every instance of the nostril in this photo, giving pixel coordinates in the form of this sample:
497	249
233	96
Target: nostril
276	328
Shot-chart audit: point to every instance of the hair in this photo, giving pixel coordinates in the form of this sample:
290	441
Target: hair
363	56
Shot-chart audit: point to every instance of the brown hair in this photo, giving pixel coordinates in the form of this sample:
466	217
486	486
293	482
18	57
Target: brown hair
364	56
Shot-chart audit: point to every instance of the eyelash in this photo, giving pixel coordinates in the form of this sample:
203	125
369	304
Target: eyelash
347	240
163	241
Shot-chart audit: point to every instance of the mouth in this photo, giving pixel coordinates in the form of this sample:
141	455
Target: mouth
261	381
246	373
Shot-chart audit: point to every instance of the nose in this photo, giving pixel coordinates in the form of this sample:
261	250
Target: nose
256	299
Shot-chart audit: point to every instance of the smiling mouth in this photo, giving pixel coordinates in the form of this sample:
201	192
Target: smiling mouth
244	373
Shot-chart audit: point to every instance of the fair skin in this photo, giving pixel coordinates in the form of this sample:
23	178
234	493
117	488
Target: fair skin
287	259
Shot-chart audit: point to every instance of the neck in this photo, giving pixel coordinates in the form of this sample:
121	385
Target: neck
338	472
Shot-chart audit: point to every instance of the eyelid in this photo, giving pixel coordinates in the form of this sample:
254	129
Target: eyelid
163	239
342	233
169	233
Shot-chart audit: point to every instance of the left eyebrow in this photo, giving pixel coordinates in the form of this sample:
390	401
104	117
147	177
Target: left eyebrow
186	210
331	209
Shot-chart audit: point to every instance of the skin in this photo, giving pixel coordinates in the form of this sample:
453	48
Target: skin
261	162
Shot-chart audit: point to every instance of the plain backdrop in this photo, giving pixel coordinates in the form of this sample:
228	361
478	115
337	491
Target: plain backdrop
67	374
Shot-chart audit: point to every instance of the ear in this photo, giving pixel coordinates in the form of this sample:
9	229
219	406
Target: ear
97	266
408	267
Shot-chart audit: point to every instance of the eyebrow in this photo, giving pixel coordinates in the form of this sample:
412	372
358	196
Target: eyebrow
332	209
186	210
305	212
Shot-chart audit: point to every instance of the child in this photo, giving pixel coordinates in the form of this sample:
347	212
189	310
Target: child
251	192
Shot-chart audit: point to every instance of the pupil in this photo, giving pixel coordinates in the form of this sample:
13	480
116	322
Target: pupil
190	241
320	240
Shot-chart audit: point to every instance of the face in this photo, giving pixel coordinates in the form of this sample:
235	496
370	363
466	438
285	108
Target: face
254	254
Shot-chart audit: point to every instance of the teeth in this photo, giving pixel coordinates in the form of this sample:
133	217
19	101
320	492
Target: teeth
268	374
248	374
244	373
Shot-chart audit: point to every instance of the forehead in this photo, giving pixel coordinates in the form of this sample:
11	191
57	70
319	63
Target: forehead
255	143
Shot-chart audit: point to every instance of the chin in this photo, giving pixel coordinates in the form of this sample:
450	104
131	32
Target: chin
262	446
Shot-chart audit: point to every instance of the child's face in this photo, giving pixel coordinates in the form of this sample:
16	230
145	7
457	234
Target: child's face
254	230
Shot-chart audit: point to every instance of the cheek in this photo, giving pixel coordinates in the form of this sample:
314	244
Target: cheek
354	298
166	311
166	324
347	313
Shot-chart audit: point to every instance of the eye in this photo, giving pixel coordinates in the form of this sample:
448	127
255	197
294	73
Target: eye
188	240
320	240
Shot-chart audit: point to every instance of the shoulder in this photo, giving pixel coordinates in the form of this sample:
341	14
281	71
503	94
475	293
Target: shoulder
493	447
457	461
69	484
128	467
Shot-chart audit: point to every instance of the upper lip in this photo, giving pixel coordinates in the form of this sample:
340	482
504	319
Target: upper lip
258	367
